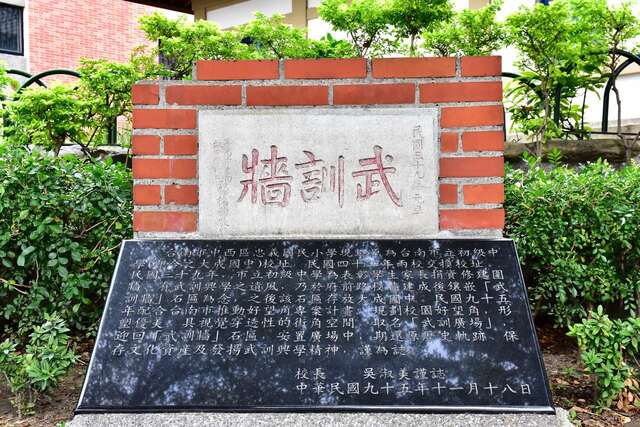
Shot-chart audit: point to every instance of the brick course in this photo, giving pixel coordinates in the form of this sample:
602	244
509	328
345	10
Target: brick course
363	94
181	145
483	193
145	144
467	93
204	95
287	95
413	67
325	68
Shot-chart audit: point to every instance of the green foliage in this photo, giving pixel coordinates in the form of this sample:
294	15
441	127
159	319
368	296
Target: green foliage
609	351
555	157
79	113
561	47
7	84
470	32
411	17
621	25
270	38
106	86
36	368
367	23
61	223
181	43
330	47
578	233
48	117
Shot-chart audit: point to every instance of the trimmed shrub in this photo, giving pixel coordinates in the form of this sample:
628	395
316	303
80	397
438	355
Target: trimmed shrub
578	235
61	223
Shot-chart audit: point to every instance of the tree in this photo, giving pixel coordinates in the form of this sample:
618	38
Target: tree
180	44
271	38
366	22
49	117
559	46
78	113
470	32
411	17
106	87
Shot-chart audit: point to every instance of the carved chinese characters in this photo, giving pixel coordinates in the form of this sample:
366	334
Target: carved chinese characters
318	173
314	324
274	184
270	176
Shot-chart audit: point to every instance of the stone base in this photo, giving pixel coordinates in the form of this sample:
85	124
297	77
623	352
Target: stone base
320	419
573	152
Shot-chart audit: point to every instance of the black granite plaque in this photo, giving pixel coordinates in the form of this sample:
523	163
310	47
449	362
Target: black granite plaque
310	325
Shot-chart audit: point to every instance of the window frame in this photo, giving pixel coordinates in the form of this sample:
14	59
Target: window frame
20	51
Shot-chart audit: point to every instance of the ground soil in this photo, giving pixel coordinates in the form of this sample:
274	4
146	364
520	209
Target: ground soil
571	389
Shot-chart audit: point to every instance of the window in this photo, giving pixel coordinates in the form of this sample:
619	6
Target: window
11	29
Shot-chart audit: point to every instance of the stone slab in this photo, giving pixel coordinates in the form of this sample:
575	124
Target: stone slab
305	173
317	325
321	420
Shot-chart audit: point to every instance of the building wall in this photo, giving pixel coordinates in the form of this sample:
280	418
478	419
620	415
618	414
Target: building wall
60	32
12	61
18	62
230	13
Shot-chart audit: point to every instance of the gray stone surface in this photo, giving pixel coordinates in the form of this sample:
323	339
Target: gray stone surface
329	419
406	207
612	149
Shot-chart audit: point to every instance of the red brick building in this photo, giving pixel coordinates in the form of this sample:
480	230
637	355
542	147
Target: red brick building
38	35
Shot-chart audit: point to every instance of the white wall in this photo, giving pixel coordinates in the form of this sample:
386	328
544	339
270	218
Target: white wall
240	13
319	28
628	86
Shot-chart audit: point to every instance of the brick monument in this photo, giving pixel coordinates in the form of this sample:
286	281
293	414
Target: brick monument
463	95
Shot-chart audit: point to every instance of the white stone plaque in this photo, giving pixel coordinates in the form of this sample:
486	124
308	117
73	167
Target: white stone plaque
318	173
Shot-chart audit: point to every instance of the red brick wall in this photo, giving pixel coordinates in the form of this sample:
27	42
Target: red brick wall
466	91
60	32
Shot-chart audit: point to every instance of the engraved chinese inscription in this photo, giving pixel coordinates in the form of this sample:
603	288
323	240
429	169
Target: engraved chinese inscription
318	173
272	178
432	324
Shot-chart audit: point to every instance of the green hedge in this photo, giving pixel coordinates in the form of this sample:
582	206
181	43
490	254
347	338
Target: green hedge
61	223
578	236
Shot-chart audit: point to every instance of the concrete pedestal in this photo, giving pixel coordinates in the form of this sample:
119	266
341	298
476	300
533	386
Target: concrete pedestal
315	419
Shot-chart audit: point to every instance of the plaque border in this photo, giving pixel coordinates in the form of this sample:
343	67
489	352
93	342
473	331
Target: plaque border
417	409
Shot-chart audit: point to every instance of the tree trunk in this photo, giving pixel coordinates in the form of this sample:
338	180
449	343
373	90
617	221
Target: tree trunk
584	104
619	106
412	45
545	123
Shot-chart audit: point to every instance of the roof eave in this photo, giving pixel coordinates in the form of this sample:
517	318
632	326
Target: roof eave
183	6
